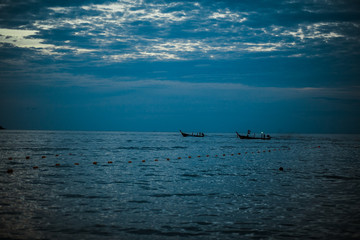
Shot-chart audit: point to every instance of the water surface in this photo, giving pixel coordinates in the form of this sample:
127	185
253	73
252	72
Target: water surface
146	186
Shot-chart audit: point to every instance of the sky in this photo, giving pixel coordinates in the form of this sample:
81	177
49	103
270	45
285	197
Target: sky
283	66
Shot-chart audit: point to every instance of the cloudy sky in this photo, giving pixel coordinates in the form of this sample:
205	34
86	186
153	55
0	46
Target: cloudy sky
211	66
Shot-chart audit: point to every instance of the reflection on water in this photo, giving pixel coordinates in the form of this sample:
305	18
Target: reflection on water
228	189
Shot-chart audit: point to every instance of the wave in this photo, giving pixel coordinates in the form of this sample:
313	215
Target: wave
179	147
144	148
340	177
148	231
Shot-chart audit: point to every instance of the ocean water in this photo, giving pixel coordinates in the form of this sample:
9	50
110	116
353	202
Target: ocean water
165	186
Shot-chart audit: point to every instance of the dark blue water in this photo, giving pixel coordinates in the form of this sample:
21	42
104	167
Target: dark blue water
228	189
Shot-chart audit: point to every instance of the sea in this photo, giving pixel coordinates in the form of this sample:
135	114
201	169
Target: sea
160	185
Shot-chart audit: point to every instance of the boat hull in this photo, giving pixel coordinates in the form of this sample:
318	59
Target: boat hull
191	135
249	137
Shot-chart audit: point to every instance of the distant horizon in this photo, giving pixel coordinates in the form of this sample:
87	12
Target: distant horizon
176	131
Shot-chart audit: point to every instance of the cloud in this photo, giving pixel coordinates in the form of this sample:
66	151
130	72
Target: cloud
184	87
159	56
322	30
27	39
22	38
264	47
124	30
228	15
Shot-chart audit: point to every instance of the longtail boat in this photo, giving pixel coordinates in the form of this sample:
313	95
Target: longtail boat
192	134
263	137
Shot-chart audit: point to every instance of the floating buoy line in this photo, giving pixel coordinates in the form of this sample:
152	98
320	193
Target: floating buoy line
57	164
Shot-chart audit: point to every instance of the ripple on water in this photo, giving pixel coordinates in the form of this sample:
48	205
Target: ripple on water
226	197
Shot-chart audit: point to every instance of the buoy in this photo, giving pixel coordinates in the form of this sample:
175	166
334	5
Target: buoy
27	157
56	155
224	155
264	151
232	154
110	162
35	167
199	156
269	150
168	159
76	163
258	151
156	160
318	146
179	157
189	156
239	153
281	169
207	155
94	163
57	165
143	160
43	156
245	152
129	161
10	171
10	158
216	155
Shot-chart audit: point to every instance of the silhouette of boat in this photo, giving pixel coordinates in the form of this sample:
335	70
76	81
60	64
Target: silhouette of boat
192	135
263	137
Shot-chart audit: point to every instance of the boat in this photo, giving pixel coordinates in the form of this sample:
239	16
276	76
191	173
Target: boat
192	134
263	136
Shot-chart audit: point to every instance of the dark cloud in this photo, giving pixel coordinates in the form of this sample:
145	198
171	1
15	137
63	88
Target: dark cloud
23	12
